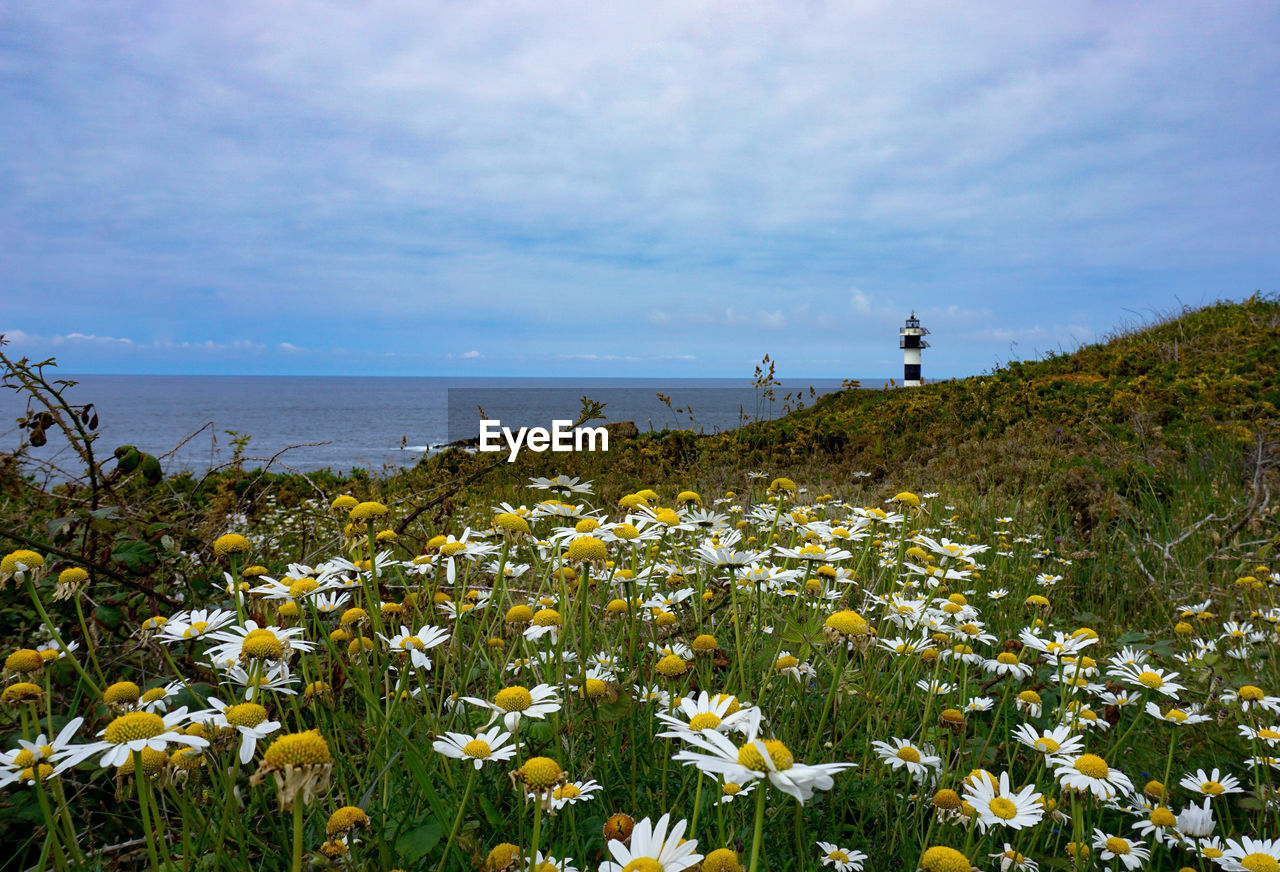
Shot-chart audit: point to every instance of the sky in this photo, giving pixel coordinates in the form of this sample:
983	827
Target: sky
614	189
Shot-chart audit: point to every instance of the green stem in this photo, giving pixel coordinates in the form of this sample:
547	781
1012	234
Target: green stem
297	832
62	646
457	821
758	830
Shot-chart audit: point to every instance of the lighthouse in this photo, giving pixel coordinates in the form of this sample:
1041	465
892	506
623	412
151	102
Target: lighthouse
910	340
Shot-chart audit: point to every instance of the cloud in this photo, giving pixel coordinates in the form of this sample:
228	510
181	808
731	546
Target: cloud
471	355
631	176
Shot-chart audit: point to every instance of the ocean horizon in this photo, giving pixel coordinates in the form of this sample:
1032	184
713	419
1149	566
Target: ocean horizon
376	423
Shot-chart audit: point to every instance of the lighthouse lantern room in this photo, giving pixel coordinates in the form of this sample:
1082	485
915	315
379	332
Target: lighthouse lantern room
911	340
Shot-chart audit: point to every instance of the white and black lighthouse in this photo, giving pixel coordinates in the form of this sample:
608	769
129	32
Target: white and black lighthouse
911	340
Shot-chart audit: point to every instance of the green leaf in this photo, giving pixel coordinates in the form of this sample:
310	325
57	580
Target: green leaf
135	555
413	845
55	526
109	616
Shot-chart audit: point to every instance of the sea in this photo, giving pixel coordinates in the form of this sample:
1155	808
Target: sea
379	424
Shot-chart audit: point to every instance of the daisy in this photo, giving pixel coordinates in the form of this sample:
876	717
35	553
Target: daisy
249	719
60	754
276	678
707	712
1270	735
185	626
1011	859
1131	854
842	860
649	841
516	702
417	644
729	790
757	758
1151	678
995	804
1006	663
1057	740
551	864
259	643
1195	821
903	754
480	748
1250	855
137	730
1090	773
572	793
1181	717
1213	784
1248	696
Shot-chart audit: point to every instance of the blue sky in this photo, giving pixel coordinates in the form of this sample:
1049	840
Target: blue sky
658	188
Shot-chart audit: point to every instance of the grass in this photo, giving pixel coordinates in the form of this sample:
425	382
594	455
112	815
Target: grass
1117	499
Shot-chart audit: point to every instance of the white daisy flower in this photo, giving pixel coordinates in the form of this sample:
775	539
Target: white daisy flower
840	859
1090	773
1212	784
137	730
416	645
903	754
517	702
995	803
757	758
1131	854
651	841
480	748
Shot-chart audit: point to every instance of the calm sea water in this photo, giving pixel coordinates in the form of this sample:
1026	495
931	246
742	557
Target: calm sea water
374	423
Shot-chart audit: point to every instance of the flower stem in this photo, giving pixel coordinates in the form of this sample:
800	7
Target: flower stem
758	830
297	832
457	821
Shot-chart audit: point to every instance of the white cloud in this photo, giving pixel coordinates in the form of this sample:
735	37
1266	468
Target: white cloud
471	355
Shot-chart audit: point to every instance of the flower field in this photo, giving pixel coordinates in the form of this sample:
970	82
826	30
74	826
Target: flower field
767	677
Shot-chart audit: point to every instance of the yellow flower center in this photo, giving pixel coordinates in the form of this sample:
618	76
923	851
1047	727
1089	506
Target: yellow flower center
908	753
946	798
520	614
1003	808
1249	693
1162	817
1260	863
1006	658
477	748
731	789
585	549
566	791
1092	765
298	749
786	661
943	859
262	645
541	772
1117	845
1151	679
547	618
1213	788
1268	733
848	623
246	714
133	726
749	756
513	699
594	688
704	721
643	864
1047	745
672	666
721	860
121	692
